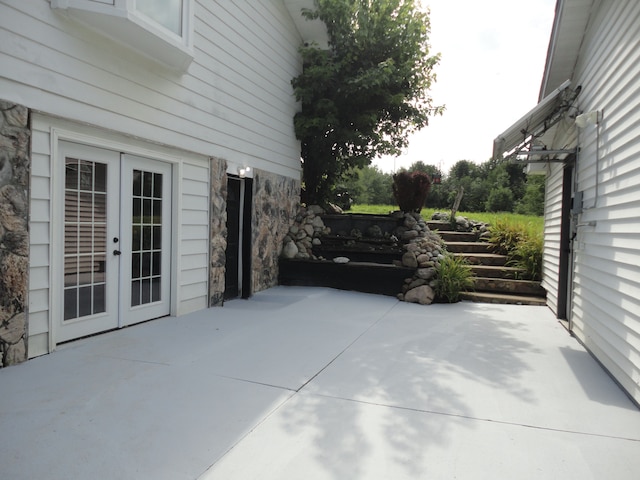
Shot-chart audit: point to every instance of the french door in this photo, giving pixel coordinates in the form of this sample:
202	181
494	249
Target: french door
116	241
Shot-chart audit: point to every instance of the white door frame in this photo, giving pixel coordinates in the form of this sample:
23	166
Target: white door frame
58	135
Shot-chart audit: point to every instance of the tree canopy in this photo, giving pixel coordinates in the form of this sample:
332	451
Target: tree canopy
490	186
367	93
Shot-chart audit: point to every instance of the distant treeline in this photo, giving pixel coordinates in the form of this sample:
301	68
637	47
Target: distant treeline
489	187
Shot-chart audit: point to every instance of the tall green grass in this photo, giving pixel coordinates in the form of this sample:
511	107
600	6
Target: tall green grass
531	223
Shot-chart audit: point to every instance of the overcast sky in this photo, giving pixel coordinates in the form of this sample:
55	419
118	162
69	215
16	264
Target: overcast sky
493	55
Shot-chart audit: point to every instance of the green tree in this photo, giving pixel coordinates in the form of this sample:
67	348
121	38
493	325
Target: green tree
369	185
367	93
532	202
471	177
500	200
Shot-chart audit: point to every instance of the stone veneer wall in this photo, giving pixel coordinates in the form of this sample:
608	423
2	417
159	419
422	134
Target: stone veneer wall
14	231
276	200
218	233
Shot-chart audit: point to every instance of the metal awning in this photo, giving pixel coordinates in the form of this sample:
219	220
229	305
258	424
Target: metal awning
521	140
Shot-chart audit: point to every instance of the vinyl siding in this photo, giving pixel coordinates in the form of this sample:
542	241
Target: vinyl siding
606	288
194	238
552	227
40	226
234	102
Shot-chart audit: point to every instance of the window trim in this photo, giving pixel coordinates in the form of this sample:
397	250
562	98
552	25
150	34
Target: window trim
120	21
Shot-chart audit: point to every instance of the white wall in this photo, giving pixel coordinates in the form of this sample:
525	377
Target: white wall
606	289
234	102
552	228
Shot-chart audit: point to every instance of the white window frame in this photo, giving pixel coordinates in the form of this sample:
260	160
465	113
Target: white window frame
122	22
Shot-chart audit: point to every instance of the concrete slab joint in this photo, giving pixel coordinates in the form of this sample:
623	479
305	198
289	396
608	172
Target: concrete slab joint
14	231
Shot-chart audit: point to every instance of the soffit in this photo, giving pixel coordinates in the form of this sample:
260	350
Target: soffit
569	28
311	31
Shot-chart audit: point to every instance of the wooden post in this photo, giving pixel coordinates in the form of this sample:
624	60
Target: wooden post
456	205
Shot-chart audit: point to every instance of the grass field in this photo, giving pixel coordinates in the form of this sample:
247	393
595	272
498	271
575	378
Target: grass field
533	223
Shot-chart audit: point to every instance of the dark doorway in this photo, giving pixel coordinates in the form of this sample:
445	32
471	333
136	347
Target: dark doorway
238	254
565	245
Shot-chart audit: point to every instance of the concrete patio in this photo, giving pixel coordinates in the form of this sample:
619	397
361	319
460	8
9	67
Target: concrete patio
313	383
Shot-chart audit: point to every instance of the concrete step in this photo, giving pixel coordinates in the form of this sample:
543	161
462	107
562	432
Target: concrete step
483	258
492	271
487	297
504	285
458	236
469	247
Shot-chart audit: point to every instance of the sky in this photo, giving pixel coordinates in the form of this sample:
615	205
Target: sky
493	54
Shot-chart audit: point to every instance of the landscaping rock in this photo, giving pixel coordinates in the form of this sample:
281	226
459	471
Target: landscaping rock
409	260
426	273
423	295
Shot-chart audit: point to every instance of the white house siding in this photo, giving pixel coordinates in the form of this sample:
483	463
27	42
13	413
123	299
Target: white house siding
605	307
40	239
552	226
194	238
234	102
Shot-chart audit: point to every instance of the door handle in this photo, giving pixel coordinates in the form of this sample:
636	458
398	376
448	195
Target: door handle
117	252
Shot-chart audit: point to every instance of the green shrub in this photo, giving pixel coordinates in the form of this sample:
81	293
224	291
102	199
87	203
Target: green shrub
522	244
528	255
454	277
506	236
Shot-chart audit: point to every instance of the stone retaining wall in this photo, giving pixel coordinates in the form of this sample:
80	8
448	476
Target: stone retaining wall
218	231
276	200
14	231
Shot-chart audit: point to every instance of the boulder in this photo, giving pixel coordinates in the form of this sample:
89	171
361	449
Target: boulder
409	260
423	295
426	273
290	250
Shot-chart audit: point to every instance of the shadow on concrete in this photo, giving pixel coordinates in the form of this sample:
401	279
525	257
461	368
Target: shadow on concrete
400	386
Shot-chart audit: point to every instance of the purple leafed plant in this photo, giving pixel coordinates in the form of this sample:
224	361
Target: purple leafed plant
411	190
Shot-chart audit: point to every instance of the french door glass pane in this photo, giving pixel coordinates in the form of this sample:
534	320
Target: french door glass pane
146	237
85	238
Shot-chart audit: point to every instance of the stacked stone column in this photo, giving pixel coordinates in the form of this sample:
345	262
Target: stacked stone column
14	234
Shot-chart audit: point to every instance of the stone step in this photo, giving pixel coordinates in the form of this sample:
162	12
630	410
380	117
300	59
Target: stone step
505	285
493	271
458	236
483	258
487	297
440	226
469	247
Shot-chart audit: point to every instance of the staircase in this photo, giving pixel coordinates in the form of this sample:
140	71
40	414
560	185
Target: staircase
495	282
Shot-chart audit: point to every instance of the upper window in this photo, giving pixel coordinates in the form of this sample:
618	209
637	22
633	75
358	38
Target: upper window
167	13
159	29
